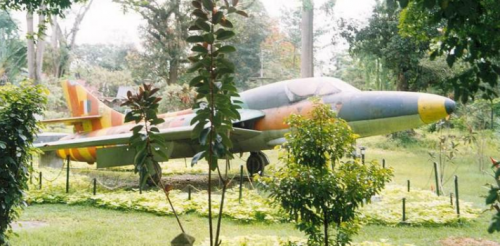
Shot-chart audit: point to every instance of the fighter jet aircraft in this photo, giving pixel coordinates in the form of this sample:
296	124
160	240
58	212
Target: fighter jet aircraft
101	137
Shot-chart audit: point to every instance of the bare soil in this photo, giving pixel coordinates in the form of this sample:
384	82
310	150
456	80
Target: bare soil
198	181
25	225
466	241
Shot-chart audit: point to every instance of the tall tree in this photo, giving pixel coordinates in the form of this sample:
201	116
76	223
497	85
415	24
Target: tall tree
35	41
381	42
164	35
62	44
469	33
250	35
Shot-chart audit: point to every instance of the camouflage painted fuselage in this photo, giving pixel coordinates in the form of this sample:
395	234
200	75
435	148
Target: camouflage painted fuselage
368	113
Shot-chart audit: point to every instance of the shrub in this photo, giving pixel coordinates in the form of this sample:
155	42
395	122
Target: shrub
18	108
315	189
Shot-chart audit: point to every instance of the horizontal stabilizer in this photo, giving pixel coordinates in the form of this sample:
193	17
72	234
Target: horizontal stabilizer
71	120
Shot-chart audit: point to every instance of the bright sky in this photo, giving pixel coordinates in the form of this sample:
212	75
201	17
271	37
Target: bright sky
105	21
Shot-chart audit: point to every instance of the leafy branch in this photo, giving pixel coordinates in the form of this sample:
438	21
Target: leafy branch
215	86
145	139
493	198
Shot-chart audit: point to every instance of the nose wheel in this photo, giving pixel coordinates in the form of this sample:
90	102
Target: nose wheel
256	163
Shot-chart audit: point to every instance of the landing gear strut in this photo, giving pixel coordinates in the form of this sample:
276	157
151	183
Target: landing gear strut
256	163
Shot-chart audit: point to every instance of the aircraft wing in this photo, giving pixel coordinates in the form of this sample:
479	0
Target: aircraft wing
170	134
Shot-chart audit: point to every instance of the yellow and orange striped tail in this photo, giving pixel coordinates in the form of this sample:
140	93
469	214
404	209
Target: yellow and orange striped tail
82	103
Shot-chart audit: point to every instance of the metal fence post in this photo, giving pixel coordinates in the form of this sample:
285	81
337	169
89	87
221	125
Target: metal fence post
457	202
31	172
241	182
189	192
436	175
67	173
404	209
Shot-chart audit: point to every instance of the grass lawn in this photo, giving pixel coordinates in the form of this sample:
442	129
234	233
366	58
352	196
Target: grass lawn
82	225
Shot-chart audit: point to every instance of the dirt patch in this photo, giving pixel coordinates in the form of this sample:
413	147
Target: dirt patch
466	241
26	225
199	181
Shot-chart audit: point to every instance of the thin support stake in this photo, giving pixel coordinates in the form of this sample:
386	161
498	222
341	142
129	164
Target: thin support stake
404	209
31	172
383	163
408	185
457	202
140	183
189	192
436	175
67	173
95	187
241	182
451	199
40	181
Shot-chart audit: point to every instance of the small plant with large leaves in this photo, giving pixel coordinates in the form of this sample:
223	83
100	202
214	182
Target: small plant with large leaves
315	188
18	127
493	198
214	83
145	139
143	111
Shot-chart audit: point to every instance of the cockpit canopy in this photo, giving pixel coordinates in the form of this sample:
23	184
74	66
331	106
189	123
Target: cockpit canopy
288	92
298	89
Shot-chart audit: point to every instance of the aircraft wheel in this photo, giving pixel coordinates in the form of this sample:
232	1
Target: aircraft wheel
264	158
255	163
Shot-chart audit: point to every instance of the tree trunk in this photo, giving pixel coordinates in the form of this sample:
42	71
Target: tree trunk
40	47
76	25
59	42
307	56
173	73
402	84
30	43
54	44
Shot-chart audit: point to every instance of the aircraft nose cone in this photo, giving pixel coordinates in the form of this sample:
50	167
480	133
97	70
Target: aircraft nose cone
432	108
449	105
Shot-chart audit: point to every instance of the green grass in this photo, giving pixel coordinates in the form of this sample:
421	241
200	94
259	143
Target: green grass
80	225
427	235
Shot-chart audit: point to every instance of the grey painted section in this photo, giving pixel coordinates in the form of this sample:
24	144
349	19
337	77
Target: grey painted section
370	105
49	137
287	92
50	159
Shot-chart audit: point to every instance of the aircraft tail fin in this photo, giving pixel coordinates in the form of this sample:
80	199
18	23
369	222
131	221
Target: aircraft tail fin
92	113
